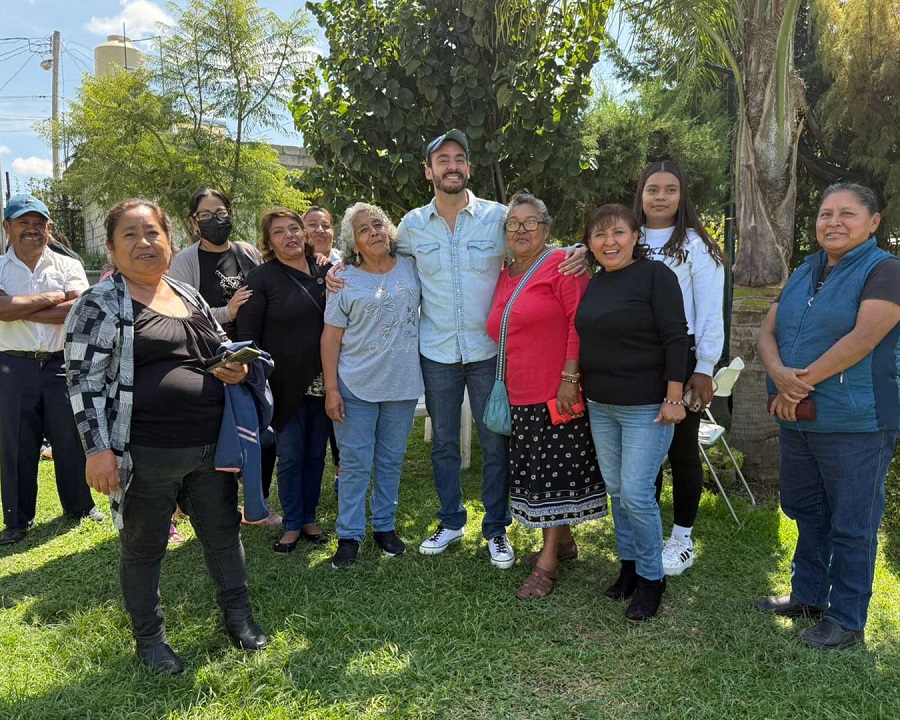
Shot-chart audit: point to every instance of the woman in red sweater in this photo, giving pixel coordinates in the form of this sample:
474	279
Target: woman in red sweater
554	478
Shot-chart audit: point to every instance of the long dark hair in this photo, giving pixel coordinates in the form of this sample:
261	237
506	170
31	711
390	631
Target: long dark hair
686	217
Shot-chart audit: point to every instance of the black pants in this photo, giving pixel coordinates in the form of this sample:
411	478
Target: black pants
162	478
687	471
34	404
684	458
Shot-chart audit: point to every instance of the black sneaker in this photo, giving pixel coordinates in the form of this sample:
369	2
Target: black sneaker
347	553
646	600
389	543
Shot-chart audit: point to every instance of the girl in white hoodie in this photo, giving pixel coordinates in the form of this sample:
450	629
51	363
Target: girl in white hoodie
672	229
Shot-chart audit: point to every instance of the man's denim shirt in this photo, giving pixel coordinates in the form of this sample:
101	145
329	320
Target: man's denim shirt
458	271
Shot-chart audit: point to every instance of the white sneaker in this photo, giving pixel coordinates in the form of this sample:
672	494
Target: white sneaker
440	540
677	557
502	554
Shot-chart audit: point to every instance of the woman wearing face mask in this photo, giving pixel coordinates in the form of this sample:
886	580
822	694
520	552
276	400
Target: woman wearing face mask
215	265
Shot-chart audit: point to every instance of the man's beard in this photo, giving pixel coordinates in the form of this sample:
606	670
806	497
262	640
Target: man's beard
454	189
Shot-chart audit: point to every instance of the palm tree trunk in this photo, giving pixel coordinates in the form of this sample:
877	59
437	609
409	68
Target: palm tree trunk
766	142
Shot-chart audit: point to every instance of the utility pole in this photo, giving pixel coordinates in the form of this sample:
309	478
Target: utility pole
55	105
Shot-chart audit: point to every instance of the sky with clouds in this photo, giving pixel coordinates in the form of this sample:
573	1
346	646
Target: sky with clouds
25	88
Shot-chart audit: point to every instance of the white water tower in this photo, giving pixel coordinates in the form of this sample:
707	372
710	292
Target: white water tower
117	51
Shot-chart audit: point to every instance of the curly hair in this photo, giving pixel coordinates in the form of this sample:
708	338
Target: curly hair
346	242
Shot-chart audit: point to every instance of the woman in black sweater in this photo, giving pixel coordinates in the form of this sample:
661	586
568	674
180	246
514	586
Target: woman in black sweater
284	316
634	349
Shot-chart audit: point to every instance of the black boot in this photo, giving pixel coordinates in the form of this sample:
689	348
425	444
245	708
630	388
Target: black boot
625	584
647	597
243	631
160	658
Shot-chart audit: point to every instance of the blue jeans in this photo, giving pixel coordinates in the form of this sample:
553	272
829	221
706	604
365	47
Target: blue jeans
832	486
301	460
445	385
630	449
371	432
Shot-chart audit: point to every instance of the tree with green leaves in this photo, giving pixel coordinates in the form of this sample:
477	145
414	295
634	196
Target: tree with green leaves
515	78
621	137
195	117
857	41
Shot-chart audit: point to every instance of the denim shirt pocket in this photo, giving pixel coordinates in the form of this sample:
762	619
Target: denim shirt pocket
428	258
482	257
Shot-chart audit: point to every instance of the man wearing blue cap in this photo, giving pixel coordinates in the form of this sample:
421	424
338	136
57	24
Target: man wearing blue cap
37	289
459	245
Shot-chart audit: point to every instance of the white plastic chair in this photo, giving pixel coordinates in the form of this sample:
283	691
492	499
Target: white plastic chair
711	432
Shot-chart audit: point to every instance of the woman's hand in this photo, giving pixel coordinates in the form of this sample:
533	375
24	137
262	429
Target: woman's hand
102	472
784	408
241	296
701	388
321	259
566	397
231	373
575	263
334	405
332	282
670	414
790	383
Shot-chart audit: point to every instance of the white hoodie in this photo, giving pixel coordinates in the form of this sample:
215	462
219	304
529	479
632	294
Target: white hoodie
702	283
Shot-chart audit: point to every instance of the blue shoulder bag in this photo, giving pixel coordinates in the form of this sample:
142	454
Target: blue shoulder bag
496	411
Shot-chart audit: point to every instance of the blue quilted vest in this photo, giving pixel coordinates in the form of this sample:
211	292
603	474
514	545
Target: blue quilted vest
866	396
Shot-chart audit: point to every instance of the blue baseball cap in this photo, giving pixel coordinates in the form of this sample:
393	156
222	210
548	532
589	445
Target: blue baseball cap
455	135
20	204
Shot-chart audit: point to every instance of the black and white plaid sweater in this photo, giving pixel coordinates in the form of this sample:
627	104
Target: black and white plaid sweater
99	353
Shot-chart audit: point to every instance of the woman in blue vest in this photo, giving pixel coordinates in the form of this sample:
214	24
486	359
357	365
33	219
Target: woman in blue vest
829	343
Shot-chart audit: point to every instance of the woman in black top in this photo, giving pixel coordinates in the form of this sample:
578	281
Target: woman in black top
149	412
634	348
284	316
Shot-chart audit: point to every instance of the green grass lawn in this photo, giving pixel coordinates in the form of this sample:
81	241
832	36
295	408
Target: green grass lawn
438	637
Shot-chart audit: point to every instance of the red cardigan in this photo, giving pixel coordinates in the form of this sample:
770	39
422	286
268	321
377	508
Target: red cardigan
541	333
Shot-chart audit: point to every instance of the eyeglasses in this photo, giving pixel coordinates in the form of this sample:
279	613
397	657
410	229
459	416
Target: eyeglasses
220	214
529	225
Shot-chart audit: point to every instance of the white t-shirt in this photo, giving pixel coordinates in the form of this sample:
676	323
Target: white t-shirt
53	273
702	282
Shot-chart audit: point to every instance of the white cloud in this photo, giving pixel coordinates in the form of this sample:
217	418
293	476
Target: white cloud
34	166
4	150
140	18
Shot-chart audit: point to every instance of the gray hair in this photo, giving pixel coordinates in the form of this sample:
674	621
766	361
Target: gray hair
346	243
865	195
526	198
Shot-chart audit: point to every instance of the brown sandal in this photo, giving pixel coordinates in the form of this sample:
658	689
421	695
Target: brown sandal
569	551
537	585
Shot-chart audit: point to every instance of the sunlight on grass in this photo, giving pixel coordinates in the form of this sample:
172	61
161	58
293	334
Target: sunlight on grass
440	637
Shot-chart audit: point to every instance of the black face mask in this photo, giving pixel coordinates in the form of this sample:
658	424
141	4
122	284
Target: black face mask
214	230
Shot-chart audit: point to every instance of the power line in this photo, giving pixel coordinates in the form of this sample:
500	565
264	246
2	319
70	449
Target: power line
21	67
